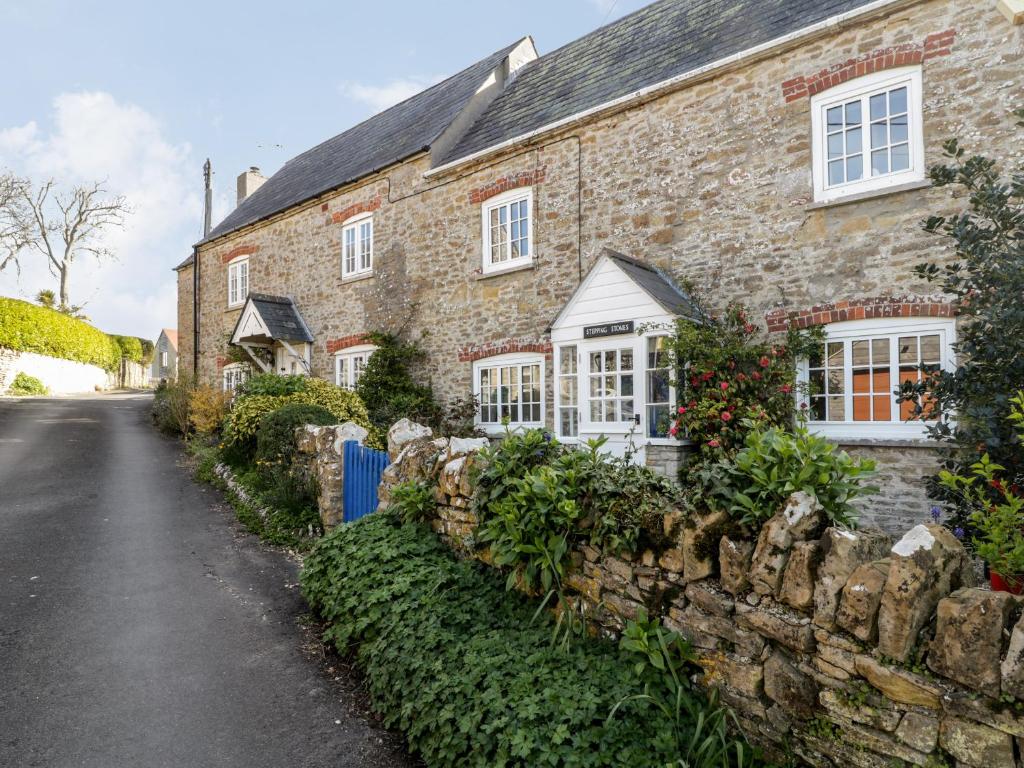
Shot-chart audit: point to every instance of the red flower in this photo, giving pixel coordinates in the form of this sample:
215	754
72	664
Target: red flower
726	416
673	430
785	389
741	377
749	327
682	409
764	361
724	385
713	443
756	375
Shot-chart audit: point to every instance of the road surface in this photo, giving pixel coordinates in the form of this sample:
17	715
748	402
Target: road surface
138	625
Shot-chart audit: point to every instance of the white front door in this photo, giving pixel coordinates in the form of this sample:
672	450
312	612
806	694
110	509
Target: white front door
611	388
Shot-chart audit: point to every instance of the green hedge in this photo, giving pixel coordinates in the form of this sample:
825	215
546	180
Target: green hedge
465	669
131	347
26	327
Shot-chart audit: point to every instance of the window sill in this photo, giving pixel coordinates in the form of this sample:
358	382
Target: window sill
233	308
505	270
886	442
357	278
857	197
498	430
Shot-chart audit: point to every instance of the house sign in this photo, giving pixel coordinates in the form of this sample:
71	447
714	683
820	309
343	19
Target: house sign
608	329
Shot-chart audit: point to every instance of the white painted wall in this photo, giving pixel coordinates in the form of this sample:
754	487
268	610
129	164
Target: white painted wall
63	377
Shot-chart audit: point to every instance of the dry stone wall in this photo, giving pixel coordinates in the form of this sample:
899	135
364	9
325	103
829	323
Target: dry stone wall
839	647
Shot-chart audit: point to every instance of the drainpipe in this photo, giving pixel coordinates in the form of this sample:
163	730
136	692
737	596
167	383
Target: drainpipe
195	312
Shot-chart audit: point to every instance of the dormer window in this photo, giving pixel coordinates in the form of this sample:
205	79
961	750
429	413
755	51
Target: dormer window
508	231
867	134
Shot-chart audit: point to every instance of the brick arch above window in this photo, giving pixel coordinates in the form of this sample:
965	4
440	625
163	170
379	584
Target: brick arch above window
476	352
352	340
238	252
878	60
364	206
505	183
857	309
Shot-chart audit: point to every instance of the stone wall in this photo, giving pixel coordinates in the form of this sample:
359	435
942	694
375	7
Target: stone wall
711	182
319	460
834	646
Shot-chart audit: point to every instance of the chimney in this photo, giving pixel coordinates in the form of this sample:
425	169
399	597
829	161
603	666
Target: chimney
249	182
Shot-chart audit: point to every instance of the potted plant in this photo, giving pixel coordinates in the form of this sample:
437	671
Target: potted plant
998	520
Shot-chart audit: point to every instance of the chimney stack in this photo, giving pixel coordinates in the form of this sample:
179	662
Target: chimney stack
249	182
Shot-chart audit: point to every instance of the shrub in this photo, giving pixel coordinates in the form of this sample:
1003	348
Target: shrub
171	406
24	384
388	387
243	420
774	464
464	669
207	408
987	281
273	384
25	327
731	377
130	346
535	499
275	439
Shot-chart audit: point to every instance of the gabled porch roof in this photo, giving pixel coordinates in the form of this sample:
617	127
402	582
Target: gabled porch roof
266	319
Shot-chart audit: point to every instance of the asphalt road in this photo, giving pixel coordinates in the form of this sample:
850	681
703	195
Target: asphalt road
138	625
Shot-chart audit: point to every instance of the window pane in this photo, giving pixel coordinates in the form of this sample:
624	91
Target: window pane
835	172
568	425
861	408
878	106
818	409
835	145
882	408
626	359
567	359
860	352
609	361
836	409
908	349
879	162
626	385
861	380
854	167
930	349
567	391
853	138
657	386
898	129
834	117
596	410
658	421
836	382
880	351
627	409
879	135
657	357
836	357
900	157
817	383
853	113
595	362
898	101
595	386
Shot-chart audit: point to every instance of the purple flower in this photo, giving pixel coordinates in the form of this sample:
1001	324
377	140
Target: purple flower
936	513
958	532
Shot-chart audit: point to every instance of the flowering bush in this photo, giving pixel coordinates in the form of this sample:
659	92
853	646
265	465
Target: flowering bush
732	378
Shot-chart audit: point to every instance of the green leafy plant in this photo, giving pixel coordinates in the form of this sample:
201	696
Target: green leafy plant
663	662
172	406
986	280
206	409
996	504
275	438
413	502
272	384
388	387
130	346
25	385
25	327
773	464
466	671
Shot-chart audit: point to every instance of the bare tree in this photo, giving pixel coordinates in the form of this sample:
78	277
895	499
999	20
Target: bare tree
15	232
68	225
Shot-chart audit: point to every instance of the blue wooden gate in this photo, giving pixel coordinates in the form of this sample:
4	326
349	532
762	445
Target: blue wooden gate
363	468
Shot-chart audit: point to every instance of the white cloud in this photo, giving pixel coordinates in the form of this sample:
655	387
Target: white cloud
94	137
380	97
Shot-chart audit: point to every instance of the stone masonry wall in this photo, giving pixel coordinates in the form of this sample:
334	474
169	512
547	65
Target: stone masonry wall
835	647
186	324
712	183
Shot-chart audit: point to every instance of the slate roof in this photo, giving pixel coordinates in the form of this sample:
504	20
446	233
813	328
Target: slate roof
656	284
281	317
653	44
384	139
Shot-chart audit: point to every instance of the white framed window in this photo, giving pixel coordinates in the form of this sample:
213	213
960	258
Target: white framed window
350	363
611	373
238	281
660	394
509	387
163	359
849	387
234	375
357	246
567	392
508	230
867	134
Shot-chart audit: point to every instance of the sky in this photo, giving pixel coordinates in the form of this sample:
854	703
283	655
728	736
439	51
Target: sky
138	94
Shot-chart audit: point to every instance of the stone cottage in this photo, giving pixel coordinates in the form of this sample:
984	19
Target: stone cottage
524	218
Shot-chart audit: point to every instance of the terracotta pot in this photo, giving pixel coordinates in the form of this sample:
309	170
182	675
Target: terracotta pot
1012	584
